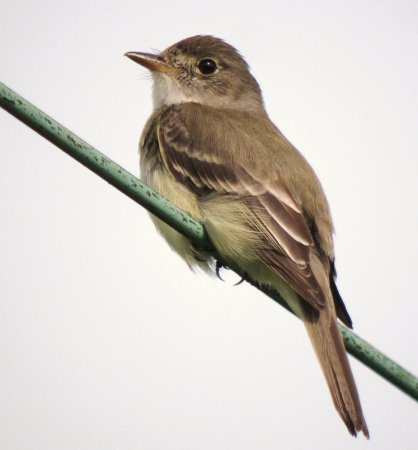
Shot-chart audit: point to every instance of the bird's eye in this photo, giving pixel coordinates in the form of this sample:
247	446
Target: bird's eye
207	66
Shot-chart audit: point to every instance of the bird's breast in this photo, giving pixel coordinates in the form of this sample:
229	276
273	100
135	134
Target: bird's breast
158	178
164	183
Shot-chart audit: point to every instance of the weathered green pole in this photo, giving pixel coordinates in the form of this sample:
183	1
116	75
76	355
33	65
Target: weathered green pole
178	219
100	164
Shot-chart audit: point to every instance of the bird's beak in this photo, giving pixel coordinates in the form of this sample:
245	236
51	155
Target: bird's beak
152	62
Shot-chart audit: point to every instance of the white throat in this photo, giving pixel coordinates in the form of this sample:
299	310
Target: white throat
167	90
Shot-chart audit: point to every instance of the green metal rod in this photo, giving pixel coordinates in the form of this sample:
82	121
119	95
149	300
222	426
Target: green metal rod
178	219
101	165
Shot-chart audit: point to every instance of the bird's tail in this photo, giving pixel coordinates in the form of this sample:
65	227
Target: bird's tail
326	339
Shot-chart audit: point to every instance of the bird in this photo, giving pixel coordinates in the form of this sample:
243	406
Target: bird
211	149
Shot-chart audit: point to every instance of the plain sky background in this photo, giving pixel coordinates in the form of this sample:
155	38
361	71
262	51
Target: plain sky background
107	341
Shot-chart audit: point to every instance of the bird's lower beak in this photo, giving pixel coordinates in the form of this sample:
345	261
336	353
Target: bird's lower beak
152	62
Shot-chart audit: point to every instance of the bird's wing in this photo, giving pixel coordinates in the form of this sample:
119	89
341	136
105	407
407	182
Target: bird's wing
195	157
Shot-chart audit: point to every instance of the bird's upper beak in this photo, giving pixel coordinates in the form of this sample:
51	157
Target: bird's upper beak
152	62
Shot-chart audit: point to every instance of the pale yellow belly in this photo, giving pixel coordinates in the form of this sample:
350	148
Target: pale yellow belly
184	199
226	220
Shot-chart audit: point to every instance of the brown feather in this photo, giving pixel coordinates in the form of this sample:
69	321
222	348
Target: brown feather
329	347
340	308
282	227
236	164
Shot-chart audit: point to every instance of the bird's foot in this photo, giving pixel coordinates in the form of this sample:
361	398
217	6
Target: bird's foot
220	265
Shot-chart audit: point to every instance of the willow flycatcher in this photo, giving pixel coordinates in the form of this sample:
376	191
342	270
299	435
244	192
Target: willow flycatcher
211	149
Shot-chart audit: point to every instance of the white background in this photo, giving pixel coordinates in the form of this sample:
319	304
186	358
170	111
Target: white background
107	341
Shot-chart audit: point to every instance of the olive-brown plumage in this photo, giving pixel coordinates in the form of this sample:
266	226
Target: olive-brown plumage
211	149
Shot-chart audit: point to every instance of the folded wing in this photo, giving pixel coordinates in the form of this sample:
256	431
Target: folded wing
285	241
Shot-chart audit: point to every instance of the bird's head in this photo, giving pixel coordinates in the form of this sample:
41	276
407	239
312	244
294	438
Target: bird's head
201	69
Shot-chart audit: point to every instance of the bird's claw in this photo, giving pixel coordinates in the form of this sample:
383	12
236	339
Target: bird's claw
220	265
